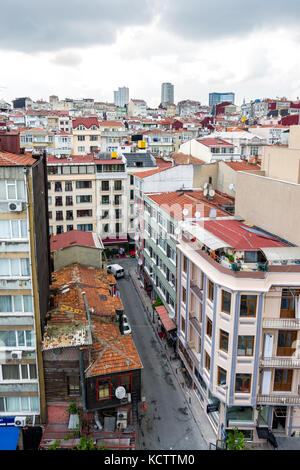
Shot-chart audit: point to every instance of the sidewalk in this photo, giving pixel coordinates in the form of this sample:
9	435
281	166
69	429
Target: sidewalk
197	412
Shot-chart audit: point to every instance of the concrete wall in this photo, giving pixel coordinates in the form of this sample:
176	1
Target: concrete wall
87	256
202	173
282	163
227	176
271	204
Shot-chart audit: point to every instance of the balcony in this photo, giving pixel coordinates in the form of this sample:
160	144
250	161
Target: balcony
282	323
194	320
278	399
281	362
196	290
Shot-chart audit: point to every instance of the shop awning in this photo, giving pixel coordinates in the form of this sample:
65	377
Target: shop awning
111	241
9	437
167	322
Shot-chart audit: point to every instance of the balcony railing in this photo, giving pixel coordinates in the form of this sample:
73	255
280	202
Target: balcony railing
278	399
196	290
282	323
195	322
282	362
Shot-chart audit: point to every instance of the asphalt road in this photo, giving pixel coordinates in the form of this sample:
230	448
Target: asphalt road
167	422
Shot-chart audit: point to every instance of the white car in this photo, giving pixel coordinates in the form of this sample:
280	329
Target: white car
116	270
126	326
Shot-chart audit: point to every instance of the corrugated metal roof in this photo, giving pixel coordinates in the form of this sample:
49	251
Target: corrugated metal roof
282	253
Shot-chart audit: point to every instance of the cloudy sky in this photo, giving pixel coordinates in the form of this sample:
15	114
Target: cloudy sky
88	48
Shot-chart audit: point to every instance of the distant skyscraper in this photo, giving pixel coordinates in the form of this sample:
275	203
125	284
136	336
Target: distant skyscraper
121	96
216	98
167	93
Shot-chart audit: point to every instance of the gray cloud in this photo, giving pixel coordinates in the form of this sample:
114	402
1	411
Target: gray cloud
44	25
214	19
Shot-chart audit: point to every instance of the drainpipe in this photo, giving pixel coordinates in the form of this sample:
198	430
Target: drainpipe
82	381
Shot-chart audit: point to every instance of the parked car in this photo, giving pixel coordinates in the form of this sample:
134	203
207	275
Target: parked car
116	270
126	326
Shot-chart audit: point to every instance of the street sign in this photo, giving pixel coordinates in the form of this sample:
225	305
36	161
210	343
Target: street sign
212	408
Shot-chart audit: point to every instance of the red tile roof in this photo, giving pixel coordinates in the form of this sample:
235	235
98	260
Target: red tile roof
243	166
238	236
71	238
13	159
86	122
212	142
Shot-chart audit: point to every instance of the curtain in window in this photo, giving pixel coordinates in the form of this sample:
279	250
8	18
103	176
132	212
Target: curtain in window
5	303
25	266
4	227
10	372
29	337
28	306
15	229
8	338
35	406
12	404
18	303
21	339
15	267
21	189
25	403
4	267
3	190
24	233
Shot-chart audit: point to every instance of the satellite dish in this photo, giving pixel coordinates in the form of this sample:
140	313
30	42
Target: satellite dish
205	185
205	192
185	212
177	231
211	192
120	392
197	215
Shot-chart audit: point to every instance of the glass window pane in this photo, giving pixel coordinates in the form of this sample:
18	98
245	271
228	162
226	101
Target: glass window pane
15	267
35	406
10	372
5	229
25	266
2	404
5	303
18	303
28	306
15	229
4	267
12	404
11	191
24	233
32	369
21	338
21	189
25	403
29	337
24	371
3	190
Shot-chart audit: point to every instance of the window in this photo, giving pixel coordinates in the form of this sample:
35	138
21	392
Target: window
59	229
221	376
118	185
85	213
248	305
250	256
16	404
10	229
104	389
58	201
209	328
70	227
19	372
288	301
126	382
118	213
184	295
59	215
85	227
185	264
131	179
283	380
11	267
83	199
68	186
242	383
210	290
57	186
245	345
81	137
118	200
83	184
207	362
69	215
105	185
183	324
226	301
286	343
93	138
105	199
73	385
17	338
224	340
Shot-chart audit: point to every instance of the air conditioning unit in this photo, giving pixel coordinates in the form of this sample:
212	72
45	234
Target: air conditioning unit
16	354
20	421
15	206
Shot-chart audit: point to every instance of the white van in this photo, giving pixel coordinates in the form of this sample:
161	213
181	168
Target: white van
116	270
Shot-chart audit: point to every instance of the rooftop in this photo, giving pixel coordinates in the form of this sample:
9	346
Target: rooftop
13	159
74	237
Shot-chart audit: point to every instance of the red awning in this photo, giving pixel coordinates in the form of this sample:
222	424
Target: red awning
110	241
168	323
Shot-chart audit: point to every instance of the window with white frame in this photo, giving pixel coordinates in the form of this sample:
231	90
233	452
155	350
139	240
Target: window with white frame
19	404
18	372
17	338
10	229
11	190
14	267
16	303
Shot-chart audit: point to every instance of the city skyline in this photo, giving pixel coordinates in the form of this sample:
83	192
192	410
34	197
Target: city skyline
148	46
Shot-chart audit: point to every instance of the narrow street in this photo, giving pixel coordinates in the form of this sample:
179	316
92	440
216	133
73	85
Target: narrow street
167	422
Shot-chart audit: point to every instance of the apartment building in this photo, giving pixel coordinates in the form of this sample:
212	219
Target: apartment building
159	142
86	136
24	286
210	149
238	324
37	140
137	108
88	193
113	135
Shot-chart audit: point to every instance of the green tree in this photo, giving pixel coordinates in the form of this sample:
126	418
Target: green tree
235	440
